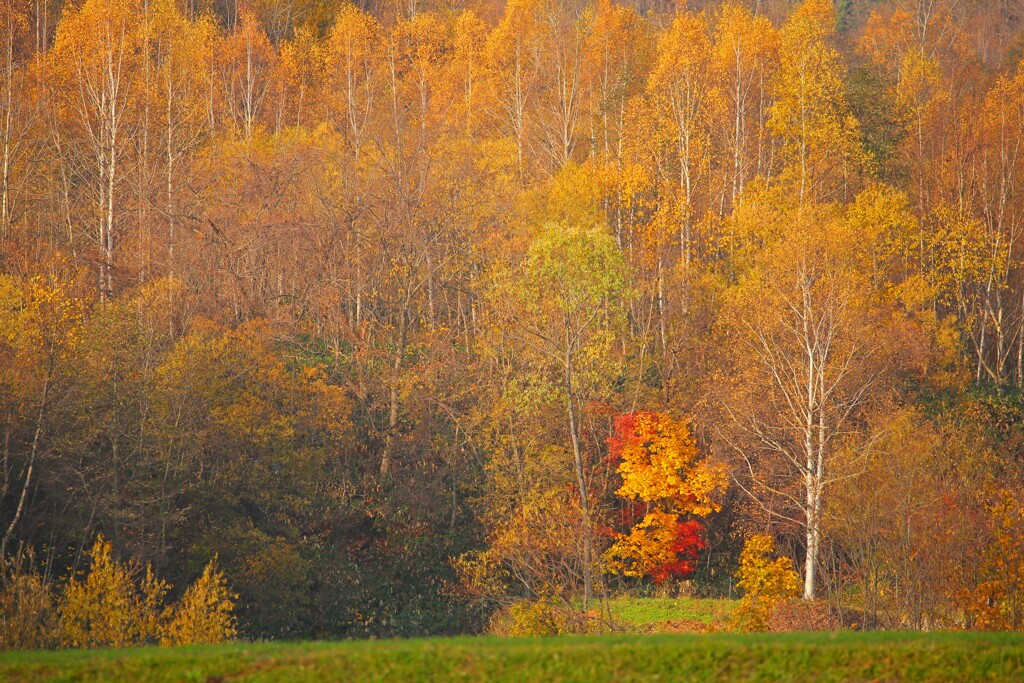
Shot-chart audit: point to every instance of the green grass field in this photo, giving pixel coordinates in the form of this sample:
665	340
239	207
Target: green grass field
819	657
671	615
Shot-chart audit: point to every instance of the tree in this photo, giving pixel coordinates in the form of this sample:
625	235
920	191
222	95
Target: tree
564	305
466	72
892	512
618	55
810	350
514	54
765	583
246	66
41	319
354	70
183	62
922	55
1001	588
745	54
810	115
684	81
18	111
425	48
115	605
561	95
95	61
303	66
980	251
26	601
204	614
658	461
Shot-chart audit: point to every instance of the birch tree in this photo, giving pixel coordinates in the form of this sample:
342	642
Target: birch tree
96	61
745	54
807	359
17	110
513	59
810	114
683	81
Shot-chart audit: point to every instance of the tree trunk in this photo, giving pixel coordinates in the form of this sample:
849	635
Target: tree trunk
588	580
393	398
28	472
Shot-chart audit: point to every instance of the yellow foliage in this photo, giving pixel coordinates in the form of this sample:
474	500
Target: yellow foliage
765	583
575	193
661	464
115	605
540	534
40	319
810	113
204	615
108	608
112	607
526	618
646	548
26	607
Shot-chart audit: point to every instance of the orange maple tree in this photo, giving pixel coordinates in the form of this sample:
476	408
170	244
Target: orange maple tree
662	470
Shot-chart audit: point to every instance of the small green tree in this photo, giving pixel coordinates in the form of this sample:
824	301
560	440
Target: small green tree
765	583
563	306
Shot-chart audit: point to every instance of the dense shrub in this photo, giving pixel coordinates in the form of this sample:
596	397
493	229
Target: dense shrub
26	605
114	604
204	614
765	583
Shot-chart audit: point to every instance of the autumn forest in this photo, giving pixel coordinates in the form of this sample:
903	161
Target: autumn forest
432	317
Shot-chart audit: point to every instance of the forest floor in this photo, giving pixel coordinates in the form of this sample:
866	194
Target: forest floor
819	657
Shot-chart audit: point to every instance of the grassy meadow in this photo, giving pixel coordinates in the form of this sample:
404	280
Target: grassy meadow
818	657
671	615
